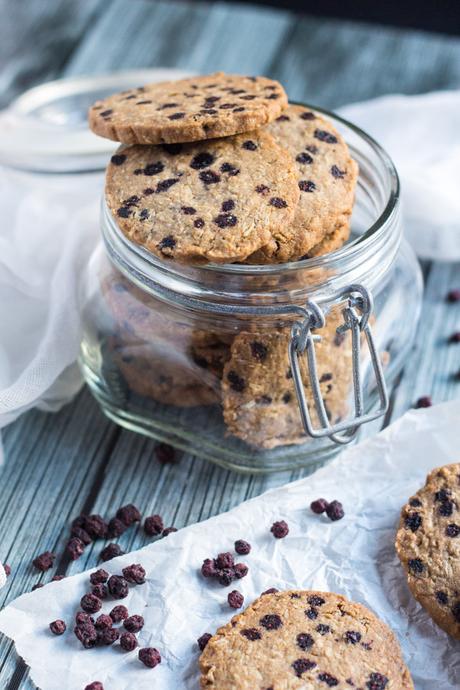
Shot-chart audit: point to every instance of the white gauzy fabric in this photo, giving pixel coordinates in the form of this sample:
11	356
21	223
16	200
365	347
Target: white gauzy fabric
48	228
422	135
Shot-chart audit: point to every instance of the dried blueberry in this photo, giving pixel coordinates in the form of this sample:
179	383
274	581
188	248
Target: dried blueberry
230	169
323	629
237	383
335	511
209	568
452	530
81	534
134	623
116	527
96	526
240	570
111	551
442	598
304	158
44	561
164	185
199	223
307	186
279	529
169	530
225	560
96	685
270	590
327	137
153	525
82	618
352	637
128	641
228	205
235	599
319	506
304	641
226	576
203	640
424	401
119	613
413	521
75	548
99	577
416	566
226	220
277	202
316	600
118	159
167	242
90	603
336	172
108	636
301	666
150	657
165	453
453	296
259	350
251	634
331	681
188	210
249	145
307	115
242	547
202	160
118	587
103	621
209	177
128	514
271	621
58	627
455	337
377	682
415	503
87	634
134	573
7	569
176	116
100	591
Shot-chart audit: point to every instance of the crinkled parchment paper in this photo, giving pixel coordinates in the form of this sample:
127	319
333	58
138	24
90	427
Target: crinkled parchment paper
355	557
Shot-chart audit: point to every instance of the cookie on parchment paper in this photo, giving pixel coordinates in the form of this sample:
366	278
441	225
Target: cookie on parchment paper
192	109
299	640
428	545
326	176
216	201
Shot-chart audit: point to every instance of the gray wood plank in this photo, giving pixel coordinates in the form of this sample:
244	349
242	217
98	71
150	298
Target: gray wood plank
331	63
37	39
434	363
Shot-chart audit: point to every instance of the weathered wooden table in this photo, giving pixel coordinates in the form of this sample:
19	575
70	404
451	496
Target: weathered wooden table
77	461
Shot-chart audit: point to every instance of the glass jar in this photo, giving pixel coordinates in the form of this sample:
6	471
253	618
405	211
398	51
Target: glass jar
225	361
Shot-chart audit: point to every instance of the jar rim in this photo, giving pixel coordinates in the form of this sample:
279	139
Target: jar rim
352	250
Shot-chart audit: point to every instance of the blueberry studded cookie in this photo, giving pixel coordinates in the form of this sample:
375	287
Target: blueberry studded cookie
326	176
199	202
428	545
304	640
258	396
193	109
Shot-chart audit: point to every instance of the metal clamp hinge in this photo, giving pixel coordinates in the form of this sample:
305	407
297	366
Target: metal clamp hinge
356	319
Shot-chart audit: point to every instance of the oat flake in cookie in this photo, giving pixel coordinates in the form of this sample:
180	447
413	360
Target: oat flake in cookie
198	202
193	109
304	640
326	176
428	545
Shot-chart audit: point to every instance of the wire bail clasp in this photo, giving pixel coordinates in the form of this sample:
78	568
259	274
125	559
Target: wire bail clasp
356	319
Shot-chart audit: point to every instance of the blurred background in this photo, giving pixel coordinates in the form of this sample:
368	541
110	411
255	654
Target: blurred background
330	52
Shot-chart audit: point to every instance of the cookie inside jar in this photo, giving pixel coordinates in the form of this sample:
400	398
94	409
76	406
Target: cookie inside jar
229	203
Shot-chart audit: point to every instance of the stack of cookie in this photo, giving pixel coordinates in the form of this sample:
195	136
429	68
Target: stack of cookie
222	169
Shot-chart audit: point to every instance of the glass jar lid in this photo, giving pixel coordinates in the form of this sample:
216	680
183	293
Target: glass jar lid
46	129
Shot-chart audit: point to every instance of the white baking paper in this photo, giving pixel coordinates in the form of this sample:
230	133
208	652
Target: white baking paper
355	557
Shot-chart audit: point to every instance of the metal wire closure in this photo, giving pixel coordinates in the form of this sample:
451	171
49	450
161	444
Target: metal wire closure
356	318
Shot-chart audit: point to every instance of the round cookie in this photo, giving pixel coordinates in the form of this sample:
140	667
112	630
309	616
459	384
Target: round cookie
167	375
333	241
193	109
203	201
259	401
326	176
304	640
428	545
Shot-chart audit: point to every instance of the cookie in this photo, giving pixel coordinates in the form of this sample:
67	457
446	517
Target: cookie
326	176
193	109
333	241
259	401
428	545
167	375
214	201
304	640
